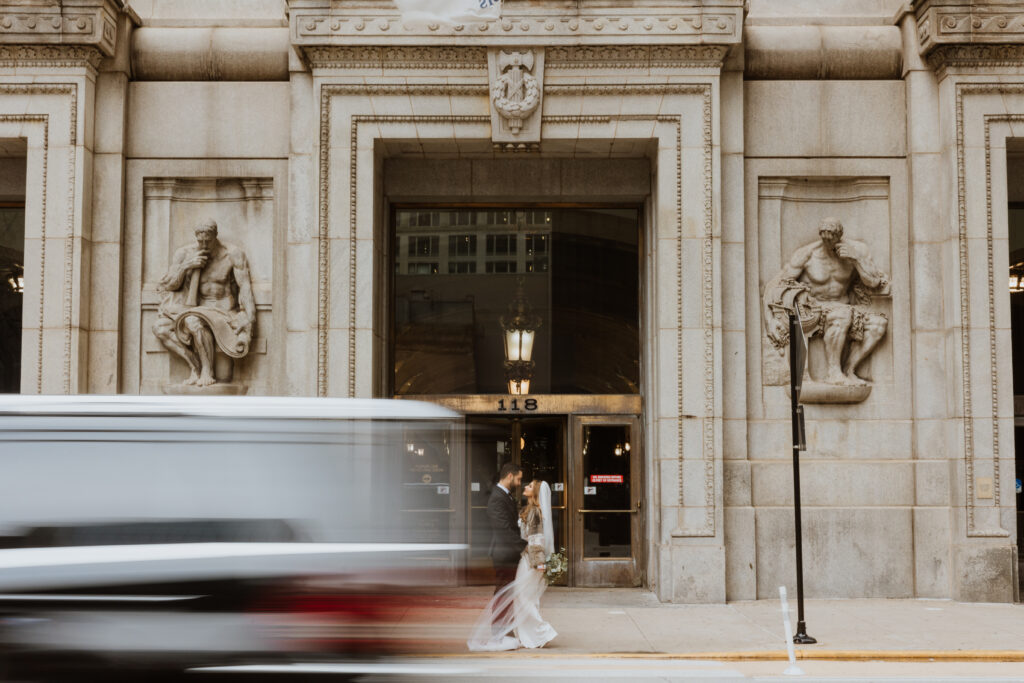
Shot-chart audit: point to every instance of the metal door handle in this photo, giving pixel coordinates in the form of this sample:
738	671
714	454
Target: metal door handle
636	509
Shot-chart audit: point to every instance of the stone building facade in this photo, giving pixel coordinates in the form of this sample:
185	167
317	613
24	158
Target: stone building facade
727	131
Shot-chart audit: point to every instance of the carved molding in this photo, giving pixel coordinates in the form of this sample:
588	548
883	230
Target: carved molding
945	22
963	90
704	90
339	25
474	58
71	91
635	56
708	419
44	121
976	56
40	22
397	57
50	56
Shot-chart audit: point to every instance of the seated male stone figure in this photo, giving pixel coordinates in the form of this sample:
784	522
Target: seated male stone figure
207	300
832	279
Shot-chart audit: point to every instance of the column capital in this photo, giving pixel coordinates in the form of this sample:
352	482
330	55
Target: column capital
968	22
48	30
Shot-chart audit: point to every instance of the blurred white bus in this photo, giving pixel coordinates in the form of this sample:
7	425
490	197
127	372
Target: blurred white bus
202	506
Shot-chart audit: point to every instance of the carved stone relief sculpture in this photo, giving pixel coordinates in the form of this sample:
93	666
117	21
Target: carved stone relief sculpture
207	312
516	90
832	281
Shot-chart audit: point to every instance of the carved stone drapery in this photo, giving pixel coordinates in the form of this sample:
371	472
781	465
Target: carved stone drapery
207	312
831	282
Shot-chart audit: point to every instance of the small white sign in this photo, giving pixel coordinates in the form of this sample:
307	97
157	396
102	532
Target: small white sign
501	446
442	490
559	486
589	490
475	486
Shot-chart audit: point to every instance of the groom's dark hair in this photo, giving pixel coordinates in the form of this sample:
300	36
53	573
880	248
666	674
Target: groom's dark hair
507	469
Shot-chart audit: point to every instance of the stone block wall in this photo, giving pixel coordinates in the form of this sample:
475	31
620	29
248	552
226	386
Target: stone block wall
294	123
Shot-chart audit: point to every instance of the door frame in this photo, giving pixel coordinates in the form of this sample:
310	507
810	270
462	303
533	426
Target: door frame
577	570
515	422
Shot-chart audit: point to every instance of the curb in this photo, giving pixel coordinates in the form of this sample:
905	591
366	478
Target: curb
772	655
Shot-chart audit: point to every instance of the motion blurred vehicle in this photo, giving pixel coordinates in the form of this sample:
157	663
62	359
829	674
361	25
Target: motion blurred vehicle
159	535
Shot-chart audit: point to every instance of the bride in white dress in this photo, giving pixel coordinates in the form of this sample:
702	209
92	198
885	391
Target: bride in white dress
517	605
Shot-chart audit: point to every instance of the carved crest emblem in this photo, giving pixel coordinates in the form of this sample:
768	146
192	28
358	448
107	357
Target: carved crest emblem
516	92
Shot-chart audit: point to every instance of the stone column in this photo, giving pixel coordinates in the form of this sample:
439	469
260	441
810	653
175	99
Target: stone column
932	377
302	299
970	47
740	559
108	199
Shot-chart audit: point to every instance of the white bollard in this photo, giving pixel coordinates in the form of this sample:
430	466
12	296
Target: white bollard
792	669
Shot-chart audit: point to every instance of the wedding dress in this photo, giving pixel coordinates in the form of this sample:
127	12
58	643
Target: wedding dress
520	600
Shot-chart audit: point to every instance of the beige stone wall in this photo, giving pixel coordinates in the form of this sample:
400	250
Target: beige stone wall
737	133
816	149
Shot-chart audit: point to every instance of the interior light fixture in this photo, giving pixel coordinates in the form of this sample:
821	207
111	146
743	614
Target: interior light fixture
1017	281
520	331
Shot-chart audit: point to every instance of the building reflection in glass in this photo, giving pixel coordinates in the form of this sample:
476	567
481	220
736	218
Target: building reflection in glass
462	277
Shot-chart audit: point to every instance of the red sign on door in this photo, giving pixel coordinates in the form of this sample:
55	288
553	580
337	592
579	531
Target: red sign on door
606	479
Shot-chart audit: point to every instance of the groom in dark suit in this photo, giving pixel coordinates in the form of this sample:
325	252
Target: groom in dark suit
506	543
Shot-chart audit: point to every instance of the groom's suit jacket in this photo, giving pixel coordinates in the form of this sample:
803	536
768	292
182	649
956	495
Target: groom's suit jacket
506	544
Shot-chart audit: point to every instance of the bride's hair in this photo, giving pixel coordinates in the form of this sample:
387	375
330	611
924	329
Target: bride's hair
532	500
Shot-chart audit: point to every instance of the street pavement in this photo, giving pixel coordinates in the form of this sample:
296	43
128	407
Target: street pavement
626	634
552	668
632	622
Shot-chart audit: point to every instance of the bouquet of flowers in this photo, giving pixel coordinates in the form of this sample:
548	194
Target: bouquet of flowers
556	566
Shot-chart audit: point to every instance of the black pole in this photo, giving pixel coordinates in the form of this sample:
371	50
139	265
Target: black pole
801	636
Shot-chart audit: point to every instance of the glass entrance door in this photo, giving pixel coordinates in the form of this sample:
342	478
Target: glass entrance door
538	445
608	537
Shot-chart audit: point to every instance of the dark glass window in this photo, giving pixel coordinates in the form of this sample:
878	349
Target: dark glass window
461	245
422	269
502	245
424	246
573	274
461	267
501	266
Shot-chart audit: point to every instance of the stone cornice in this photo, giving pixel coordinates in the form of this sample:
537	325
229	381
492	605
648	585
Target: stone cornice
50	56
87	23
635	56
330	22
945	57
474	58
400	57
962	22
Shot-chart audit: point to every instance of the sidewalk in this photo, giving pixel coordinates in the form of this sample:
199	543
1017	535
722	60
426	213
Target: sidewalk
631	622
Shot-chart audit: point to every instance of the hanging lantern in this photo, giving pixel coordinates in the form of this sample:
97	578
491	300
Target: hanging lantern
520	331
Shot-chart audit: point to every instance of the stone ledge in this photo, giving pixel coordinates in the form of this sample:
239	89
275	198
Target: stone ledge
1004	56
822	52
71	22
330	22
960	22
50	56
210	54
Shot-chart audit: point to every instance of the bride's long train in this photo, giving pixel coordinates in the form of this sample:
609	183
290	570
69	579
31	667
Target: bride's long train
512	618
